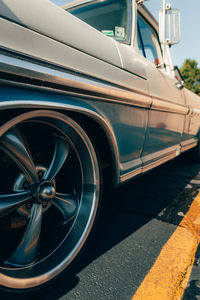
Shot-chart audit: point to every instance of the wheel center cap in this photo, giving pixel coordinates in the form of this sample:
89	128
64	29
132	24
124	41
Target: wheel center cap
46	191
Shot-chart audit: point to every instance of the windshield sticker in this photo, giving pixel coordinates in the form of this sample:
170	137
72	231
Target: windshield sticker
108	32
120	31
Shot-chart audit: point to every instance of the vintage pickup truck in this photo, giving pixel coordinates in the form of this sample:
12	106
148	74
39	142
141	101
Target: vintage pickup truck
86	94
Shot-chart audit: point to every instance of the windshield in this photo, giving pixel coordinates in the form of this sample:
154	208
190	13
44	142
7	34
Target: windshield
108	16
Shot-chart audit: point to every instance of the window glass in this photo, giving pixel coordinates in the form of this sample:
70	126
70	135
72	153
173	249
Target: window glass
152	50
109	16
140	45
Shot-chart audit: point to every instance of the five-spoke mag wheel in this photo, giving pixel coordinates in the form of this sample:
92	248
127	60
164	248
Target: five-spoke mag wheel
49	193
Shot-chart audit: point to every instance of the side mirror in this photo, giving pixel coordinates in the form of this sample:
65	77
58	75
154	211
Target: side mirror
169	26
180	82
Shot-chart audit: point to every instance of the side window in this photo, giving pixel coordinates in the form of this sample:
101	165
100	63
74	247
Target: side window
148	42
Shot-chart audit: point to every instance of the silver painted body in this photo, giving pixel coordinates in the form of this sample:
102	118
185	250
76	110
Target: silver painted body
47	60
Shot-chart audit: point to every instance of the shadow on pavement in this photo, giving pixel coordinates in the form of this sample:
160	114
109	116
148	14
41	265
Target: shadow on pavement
193	291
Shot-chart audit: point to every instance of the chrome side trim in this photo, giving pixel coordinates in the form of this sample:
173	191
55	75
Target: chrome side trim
158	157
189	144
67	82
130	175
166	106
149	158
101	120
158	162
140	101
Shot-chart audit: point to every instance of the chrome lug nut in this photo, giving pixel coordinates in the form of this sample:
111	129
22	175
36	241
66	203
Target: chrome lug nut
40	174
26	185
29	205
44	205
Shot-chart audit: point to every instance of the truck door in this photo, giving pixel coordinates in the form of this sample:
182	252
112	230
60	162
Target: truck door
168	109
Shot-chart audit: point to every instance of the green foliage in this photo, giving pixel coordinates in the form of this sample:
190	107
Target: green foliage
191	75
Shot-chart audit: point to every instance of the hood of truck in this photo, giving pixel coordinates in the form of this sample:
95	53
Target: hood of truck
48	19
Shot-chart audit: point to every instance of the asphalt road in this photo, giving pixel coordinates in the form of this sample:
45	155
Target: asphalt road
137	220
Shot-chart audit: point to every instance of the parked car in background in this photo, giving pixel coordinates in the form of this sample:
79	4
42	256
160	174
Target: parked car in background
87	90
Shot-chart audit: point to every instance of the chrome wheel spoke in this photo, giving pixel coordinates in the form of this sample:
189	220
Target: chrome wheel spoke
10	202
67	205
61	152
27	250
13	144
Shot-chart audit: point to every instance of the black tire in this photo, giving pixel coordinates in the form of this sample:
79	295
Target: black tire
49	196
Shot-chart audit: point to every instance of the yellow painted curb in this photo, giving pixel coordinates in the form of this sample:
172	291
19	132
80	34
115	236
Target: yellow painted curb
170	273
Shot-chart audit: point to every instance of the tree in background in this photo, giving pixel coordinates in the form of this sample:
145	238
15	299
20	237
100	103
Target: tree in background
191	75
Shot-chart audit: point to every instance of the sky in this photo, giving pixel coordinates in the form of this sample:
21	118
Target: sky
189	47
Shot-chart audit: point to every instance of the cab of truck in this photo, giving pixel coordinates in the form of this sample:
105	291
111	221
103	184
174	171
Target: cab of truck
129	22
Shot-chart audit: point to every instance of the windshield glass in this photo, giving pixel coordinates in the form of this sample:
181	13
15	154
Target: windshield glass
108	16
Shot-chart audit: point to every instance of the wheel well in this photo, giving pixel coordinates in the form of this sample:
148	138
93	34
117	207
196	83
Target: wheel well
101	144
95	132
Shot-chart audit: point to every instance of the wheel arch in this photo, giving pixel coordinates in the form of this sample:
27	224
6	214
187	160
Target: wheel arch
95	125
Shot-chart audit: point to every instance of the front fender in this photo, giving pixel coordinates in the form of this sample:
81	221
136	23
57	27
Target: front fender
18	98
